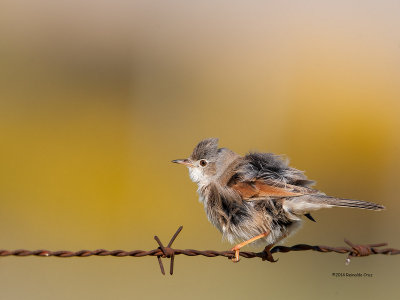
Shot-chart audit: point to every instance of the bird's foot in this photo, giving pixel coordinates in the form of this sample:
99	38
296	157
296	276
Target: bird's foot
239	246
268	255
237	251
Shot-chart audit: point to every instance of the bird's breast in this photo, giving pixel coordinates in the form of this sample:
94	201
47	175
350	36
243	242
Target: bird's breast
240	221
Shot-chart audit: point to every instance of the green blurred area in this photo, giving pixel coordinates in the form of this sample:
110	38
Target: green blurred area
96	100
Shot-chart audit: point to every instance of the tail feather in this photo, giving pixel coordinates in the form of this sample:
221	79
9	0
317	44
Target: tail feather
341	202
307	203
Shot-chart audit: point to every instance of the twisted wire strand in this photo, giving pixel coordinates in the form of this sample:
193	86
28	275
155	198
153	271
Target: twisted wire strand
168	252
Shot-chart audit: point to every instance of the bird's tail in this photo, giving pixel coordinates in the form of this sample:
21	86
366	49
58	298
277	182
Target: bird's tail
307	203
341	202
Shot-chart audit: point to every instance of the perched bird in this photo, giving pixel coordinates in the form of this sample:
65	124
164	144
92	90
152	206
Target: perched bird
256	197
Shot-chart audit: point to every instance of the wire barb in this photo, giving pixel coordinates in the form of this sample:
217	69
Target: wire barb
167	252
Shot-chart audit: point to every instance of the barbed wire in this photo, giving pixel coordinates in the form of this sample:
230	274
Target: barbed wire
168	252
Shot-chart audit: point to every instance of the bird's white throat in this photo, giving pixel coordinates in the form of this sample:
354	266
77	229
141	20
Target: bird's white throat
197	176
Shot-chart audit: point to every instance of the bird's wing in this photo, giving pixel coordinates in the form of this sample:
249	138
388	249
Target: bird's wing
271	167
265	175
258	189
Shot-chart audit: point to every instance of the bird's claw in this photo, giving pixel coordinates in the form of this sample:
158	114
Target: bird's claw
235	258
268	255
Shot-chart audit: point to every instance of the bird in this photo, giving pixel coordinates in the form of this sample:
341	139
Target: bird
256	198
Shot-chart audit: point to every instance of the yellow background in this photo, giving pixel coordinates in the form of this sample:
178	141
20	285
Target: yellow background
96	99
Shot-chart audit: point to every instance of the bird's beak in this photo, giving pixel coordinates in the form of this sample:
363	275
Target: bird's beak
183	162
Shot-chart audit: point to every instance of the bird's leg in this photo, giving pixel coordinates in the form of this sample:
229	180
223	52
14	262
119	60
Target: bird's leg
238	246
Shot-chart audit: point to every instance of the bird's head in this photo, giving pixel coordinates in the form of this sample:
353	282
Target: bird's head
207	161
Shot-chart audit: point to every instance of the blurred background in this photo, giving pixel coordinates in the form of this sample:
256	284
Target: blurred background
96	99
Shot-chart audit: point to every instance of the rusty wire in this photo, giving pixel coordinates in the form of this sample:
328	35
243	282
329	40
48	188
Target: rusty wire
168	252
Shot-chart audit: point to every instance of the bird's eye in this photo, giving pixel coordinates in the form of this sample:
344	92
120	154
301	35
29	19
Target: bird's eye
203	162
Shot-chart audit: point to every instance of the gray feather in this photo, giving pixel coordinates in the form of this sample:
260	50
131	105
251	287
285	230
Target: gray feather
206	149
269	166
341	202
307	203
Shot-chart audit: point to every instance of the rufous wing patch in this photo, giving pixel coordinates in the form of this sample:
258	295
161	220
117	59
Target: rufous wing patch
258	188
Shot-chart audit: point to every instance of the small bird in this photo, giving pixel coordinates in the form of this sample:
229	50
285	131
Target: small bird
256	197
